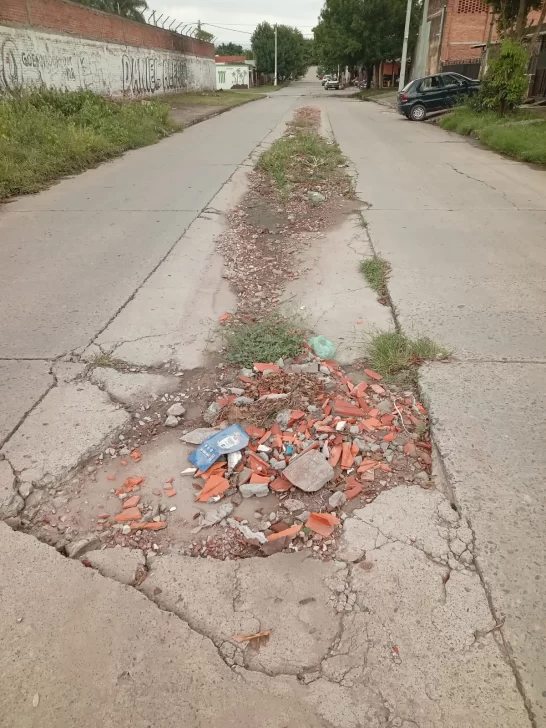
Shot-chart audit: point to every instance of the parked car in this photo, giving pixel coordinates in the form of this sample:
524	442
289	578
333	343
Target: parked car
325	78
332	83
432	93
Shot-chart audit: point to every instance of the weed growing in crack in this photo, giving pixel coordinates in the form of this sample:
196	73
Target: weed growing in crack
376	271
391	352
107	361
265	341
363	222
302	156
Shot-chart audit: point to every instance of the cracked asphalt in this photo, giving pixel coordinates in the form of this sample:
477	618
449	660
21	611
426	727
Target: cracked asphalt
432	615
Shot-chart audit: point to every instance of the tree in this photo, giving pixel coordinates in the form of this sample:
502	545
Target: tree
203	34
291	57
363	32
229	49
131	9
512	16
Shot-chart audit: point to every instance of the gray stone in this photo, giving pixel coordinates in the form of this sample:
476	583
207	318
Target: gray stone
211	413
215	515
311	367
133	388
337	499
176	409
71	423
248	372
385	407
198	437
237	391
422	477
315	197
81	546
171	421
260	490
277	464
243	401
362	446
283	418
309	472
293	505
244	476
118	563
354	429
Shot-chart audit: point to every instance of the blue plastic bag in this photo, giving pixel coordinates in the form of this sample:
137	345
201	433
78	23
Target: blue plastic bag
232	439
323	347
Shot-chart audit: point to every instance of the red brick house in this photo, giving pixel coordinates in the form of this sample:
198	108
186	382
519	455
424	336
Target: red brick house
457	31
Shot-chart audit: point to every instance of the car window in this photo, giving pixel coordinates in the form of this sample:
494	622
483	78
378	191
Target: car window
451	81
407	86
431	83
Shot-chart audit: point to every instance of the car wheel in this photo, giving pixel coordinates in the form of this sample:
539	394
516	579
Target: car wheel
418	112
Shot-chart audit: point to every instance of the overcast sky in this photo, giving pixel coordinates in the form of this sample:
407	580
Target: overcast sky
242	15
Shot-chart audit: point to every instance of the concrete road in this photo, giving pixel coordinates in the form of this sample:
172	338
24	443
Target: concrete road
464	230
74	255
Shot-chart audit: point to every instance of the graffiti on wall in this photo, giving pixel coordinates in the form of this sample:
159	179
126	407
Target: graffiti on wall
29	58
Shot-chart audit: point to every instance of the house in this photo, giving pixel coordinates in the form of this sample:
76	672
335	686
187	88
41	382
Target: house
234	72
453	35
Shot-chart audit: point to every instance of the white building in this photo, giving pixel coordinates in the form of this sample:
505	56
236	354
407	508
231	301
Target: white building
234	72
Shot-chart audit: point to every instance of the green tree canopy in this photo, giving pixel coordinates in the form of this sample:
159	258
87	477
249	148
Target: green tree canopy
363	32
291	55
229	49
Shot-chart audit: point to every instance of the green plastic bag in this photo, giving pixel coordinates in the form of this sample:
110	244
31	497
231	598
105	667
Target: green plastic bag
323	347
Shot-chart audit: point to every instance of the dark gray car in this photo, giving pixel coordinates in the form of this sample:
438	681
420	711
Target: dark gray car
431	93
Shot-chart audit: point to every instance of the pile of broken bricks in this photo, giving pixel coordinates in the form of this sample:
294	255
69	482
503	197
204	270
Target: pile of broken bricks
346	442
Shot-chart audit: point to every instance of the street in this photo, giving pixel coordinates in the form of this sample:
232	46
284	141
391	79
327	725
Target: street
120	262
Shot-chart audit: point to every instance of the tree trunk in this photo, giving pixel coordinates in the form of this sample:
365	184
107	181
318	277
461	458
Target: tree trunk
540	23
369	74
521	20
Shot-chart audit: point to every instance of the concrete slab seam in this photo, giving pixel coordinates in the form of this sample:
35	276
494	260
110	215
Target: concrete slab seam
475	179
498	619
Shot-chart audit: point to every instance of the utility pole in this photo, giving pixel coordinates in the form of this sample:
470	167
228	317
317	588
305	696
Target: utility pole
275	82
402	81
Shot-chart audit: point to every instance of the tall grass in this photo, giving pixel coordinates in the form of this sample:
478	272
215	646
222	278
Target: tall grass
520	135
47	134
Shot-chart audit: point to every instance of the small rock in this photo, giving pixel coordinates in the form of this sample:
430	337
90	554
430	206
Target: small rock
260	490
324	370
293	505
244	476
248	372
80	547
337	499
340	426
309	472
237	391
243	400
211	413
171	421
315	197
198	436
177	410
361	445
311	367
283	418
277	464
422	477
126	529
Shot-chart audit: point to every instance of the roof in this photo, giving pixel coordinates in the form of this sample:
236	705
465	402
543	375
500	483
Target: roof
230	59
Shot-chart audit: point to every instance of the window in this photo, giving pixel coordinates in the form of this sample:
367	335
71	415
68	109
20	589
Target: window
471	6
431	83
451	81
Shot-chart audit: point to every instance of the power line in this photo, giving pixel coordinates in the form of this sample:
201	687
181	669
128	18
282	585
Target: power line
222	27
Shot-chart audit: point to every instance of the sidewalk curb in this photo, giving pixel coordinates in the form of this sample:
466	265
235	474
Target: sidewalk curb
212	114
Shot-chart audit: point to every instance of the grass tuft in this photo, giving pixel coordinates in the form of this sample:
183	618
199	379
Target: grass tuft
302	157
107	361
376	271
264	341
392	351
45	135
521	135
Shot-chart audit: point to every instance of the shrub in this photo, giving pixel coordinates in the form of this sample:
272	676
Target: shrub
505	84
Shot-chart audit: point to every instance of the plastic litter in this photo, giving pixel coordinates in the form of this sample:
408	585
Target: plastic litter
322	347
231	439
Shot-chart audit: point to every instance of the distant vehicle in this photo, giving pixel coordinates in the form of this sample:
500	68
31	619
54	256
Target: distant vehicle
325	78
332	83
433	93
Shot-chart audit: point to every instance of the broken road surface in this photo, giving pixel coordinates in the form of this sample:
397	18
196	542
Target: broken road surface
423	608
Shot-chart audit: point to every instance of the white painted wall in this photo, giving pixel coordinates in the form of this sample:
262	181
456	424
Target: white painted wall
229	75
31	58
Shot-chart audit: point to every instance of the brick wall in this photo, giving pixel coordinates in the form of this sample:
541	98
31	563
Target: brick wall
63	45
74	19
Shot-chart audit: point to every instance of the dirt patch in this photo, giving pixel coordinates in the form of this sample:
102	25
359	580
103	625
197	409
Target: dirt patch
188	115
